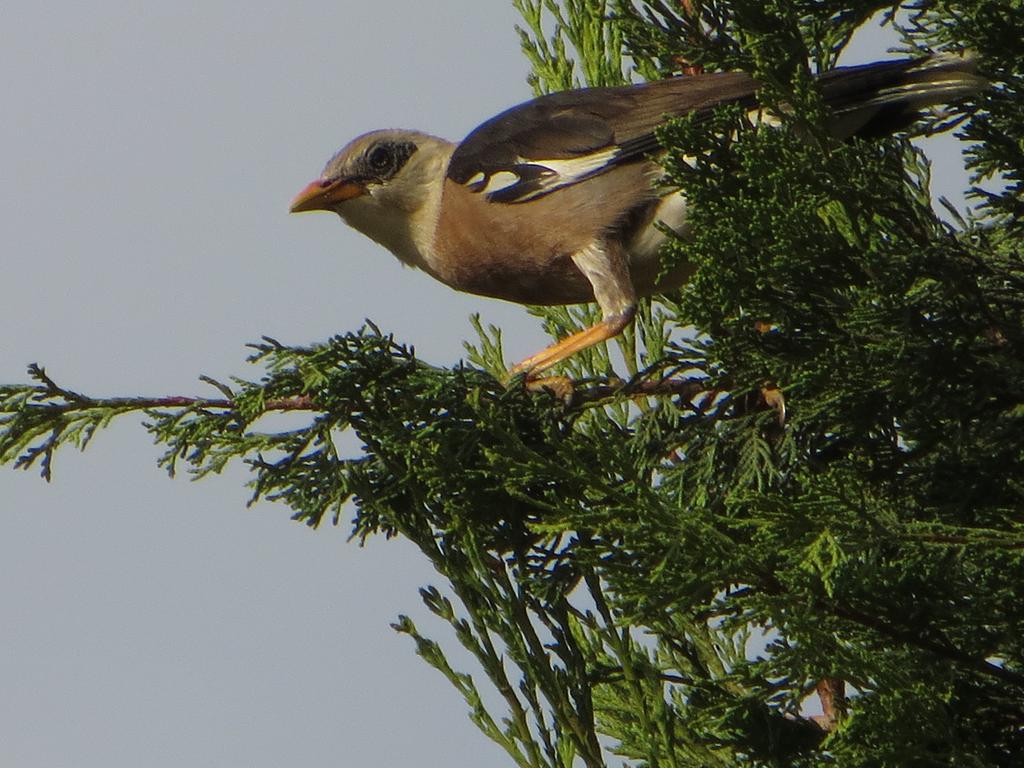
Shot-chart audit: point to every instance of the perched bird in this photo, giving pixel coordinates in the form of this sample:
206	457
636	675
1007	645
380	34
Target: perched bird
557	200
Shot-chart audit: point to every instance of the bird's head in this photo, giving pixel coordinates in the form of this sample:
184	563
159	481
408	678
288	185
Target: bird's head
386	184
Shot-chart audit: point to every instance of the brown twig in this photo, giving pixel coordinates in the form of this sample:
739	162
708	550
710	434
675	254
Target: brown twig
963	541
81	402
74	401
917	638
686	388
832	694
692	11
941	649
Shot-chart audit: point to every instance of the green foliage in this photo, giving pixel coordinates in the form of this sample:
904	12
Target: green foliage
761	37
666	567
578	28
994	30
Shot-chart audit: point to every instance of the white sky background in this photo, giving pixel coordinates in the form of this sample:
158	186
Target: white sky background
149	153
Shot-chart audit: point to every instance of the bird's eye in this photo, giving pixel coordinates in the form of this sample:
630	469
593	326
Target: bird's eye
385	158
380	158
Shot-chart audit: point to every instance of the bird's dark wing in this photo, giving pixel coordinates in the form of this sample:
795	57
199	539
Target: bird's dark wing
877	99
563	138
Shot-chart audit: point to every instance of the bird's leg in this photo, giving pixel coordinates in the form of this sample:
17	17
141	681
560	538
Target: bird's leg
609	327
604	265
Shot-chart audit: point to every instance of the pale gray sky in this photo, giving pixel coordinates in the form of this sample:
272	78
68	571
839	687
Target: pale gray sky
149	153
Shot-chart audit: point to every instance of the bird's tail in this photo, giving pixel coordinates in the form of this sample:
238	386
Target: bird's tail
877	99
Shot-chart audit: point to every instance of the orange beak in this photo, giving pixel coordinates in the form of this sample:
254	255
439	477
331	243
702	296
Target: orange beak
323	195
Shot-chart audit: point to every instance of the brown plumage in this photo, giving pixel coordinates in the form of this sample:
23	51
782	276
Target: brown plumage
556	201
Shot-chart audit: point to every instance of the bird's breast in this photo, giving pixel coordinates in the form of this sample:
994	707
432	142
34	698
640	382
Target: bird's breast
516	252
522	252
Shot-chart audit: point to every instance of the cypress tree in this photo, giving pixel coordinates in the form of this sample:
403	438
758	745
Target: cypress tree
779	523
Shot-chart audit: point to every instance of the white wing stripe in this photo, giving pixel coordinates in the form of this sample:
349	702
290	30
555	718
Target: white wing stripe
501	180
570	169
539	177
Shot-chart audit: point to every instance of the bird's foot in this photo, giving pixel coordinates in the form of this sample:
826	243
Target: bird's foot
607	328
561	387
775	400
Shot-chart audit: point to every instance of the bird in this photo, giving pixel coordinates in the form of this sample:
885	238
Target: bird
560	200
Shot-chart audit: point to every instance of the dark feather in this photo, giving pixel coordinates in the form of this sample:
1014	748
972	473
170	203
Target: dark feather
572	124
530	183
577	123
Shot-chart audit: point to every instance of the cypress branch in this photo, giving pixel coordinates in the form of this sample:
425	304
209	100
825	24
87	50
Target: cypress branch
807	481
